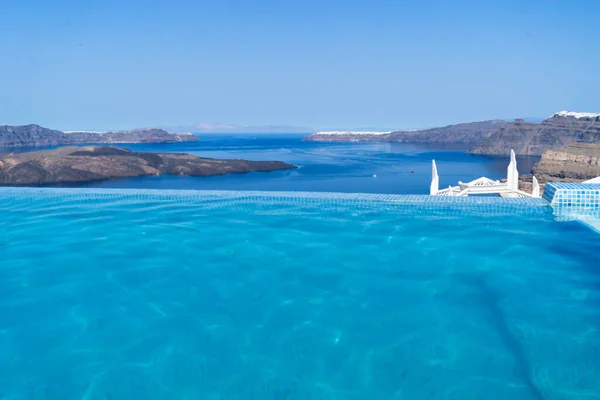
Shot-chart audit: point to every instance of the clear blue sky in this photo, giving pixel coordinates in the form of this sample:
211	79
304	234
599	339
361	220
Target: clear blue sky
319	63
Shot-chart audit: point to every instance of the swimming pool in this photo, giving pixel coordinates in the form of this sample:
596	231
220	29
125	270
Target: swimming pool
232	295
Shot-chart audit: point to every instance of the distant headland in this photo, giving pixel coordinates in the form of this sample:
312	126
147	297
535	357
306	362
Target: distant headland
494	137
569	142
36	136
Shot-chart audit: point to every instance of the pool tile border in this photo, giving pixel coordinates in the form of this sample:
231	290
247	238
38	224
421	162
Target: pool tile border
269	201
52	193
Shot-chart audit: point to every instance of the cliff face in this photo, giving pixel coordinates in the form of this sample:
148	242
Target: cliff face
84	164
37	136
467	133
563	128
572	163
495	137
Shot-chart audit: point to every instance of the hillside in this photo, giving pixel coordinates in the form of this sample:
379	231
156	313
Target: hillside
526	138
494	137
30	136
466	133
37	136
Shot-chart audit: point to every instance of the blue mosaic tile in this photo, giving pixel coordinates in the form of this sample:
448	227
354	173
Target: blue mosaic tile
574	201
582	195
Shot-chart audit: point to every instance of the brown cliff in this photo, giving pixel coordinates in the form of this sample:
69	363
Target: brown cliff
494	137
573	163
526	138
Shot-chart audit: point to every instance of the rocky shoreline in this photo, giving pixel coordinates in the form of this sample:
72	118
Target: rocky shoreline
86	164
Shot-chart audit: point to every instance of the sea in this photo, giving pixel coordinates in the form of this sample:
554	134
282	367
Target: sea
109	294
394	168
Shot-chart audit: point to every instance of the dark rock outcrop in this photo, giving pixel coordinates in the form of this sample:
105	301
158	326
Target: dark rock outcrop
84	164
37	136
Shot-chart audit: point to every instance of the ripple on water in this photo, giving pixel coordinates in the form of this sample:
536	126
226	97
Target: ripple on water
157	299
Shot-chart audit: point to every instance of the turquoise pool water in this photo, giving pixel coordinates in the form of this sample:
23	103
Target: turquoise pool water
224	295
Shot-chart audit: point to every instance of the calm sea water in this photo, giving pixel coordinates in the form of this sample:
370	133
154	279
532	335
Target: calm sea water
117	296
337	167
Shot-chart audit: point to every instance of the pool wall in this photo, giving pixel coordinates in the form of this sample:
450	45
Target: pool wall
575	202
573	195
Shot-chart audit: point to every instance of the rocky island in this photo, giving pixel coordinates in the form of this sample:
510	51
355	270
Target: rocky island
37	136
494	137
85	164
